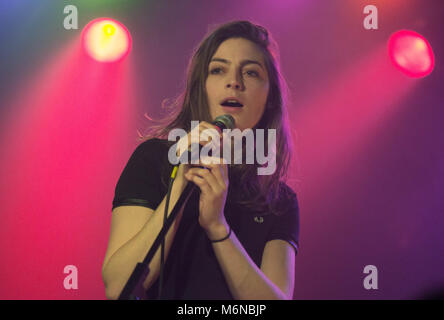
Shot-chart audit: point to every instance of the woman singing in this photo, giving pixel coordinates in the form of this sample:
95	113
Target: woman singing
237	237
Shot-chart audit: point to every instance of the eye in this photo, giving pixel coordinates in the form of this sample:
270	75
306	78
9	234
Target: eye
252	73
215	70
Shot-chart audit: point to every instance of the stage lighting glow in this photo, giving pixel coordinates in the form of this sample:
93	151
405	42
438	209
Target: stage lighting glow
109	29
411	53
106	40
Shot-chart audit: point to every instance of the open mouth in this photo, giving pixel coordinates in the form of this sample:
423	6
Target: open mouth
231	103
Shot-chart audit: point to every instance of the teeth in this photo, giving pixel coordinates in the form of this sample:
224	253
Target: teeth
232	101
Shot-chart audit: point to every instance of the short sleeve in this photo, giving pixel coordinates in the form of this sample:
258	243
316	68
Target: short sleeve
286	225
140	182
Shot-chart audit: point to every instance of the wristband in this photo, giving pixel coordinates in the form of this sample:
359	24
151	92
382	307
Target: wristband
226	237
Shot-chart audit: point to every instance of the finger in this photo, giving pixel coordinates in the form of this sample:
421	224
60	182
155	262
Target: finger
199	181
218	173
207	162
218	169
211	126
195	135
208	176
204	133
218	164
210	135
192	140
228	144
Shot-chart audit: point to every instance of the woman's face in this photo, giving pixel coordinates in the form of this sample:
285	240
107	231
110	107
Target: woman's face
237	69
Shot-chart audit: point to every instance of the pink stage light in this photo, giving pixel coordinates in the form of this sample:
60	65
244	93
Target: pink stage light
106	40
411	53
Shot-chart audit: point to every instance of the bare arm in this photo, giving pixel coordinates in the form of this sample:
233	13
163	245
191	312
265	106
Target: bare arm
275	278
133	230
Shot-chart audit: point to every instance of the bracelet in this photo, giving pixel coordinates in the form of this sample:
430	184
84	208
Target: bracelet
226	237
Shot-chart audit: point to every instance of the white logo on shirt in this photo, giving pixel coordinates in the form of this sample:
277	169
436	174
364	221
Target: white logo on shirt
259	219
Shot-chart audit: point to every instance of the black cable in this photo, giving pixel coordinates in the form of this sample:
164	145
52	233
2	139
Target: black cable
162	248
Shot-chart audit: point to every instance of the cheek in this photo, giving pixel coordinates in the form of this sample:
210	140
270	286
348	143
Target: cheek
209	87
212	104
207	90
260	102
261	98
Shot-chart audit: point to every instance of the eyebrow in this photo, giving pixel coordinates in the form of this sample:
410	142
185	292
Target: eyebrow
243	62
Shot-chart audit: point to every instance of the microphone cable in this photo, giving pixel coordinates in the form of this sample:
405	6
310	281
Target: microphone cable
162	248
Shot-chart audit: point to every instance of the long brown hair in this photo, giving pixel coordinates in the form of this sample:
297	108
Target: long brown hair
259	192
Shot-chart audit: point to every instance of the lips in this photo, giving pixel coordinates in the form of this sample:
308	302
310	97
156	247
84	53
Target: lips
231	102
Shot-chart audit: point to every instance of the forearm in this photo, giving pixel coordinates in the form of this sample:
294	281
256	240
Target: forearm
122	263
245	279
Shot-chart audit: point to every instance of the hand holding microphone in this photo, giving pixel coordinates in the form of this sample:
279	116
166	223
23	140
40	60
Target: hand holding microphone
212	179
201	140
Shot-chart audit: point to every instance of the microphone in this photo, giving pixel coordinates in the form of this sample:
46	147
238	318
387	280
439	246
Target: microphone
225	121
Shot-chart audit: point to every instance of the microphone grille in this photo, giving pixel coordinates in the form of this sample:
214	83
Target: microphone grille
225	121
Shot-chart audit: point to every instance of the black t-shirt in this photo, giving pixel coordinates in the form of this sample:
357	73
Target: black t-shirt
192	270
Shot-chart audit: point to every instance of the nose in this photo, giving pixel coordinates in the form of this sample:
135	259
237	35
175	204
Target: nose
234	82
